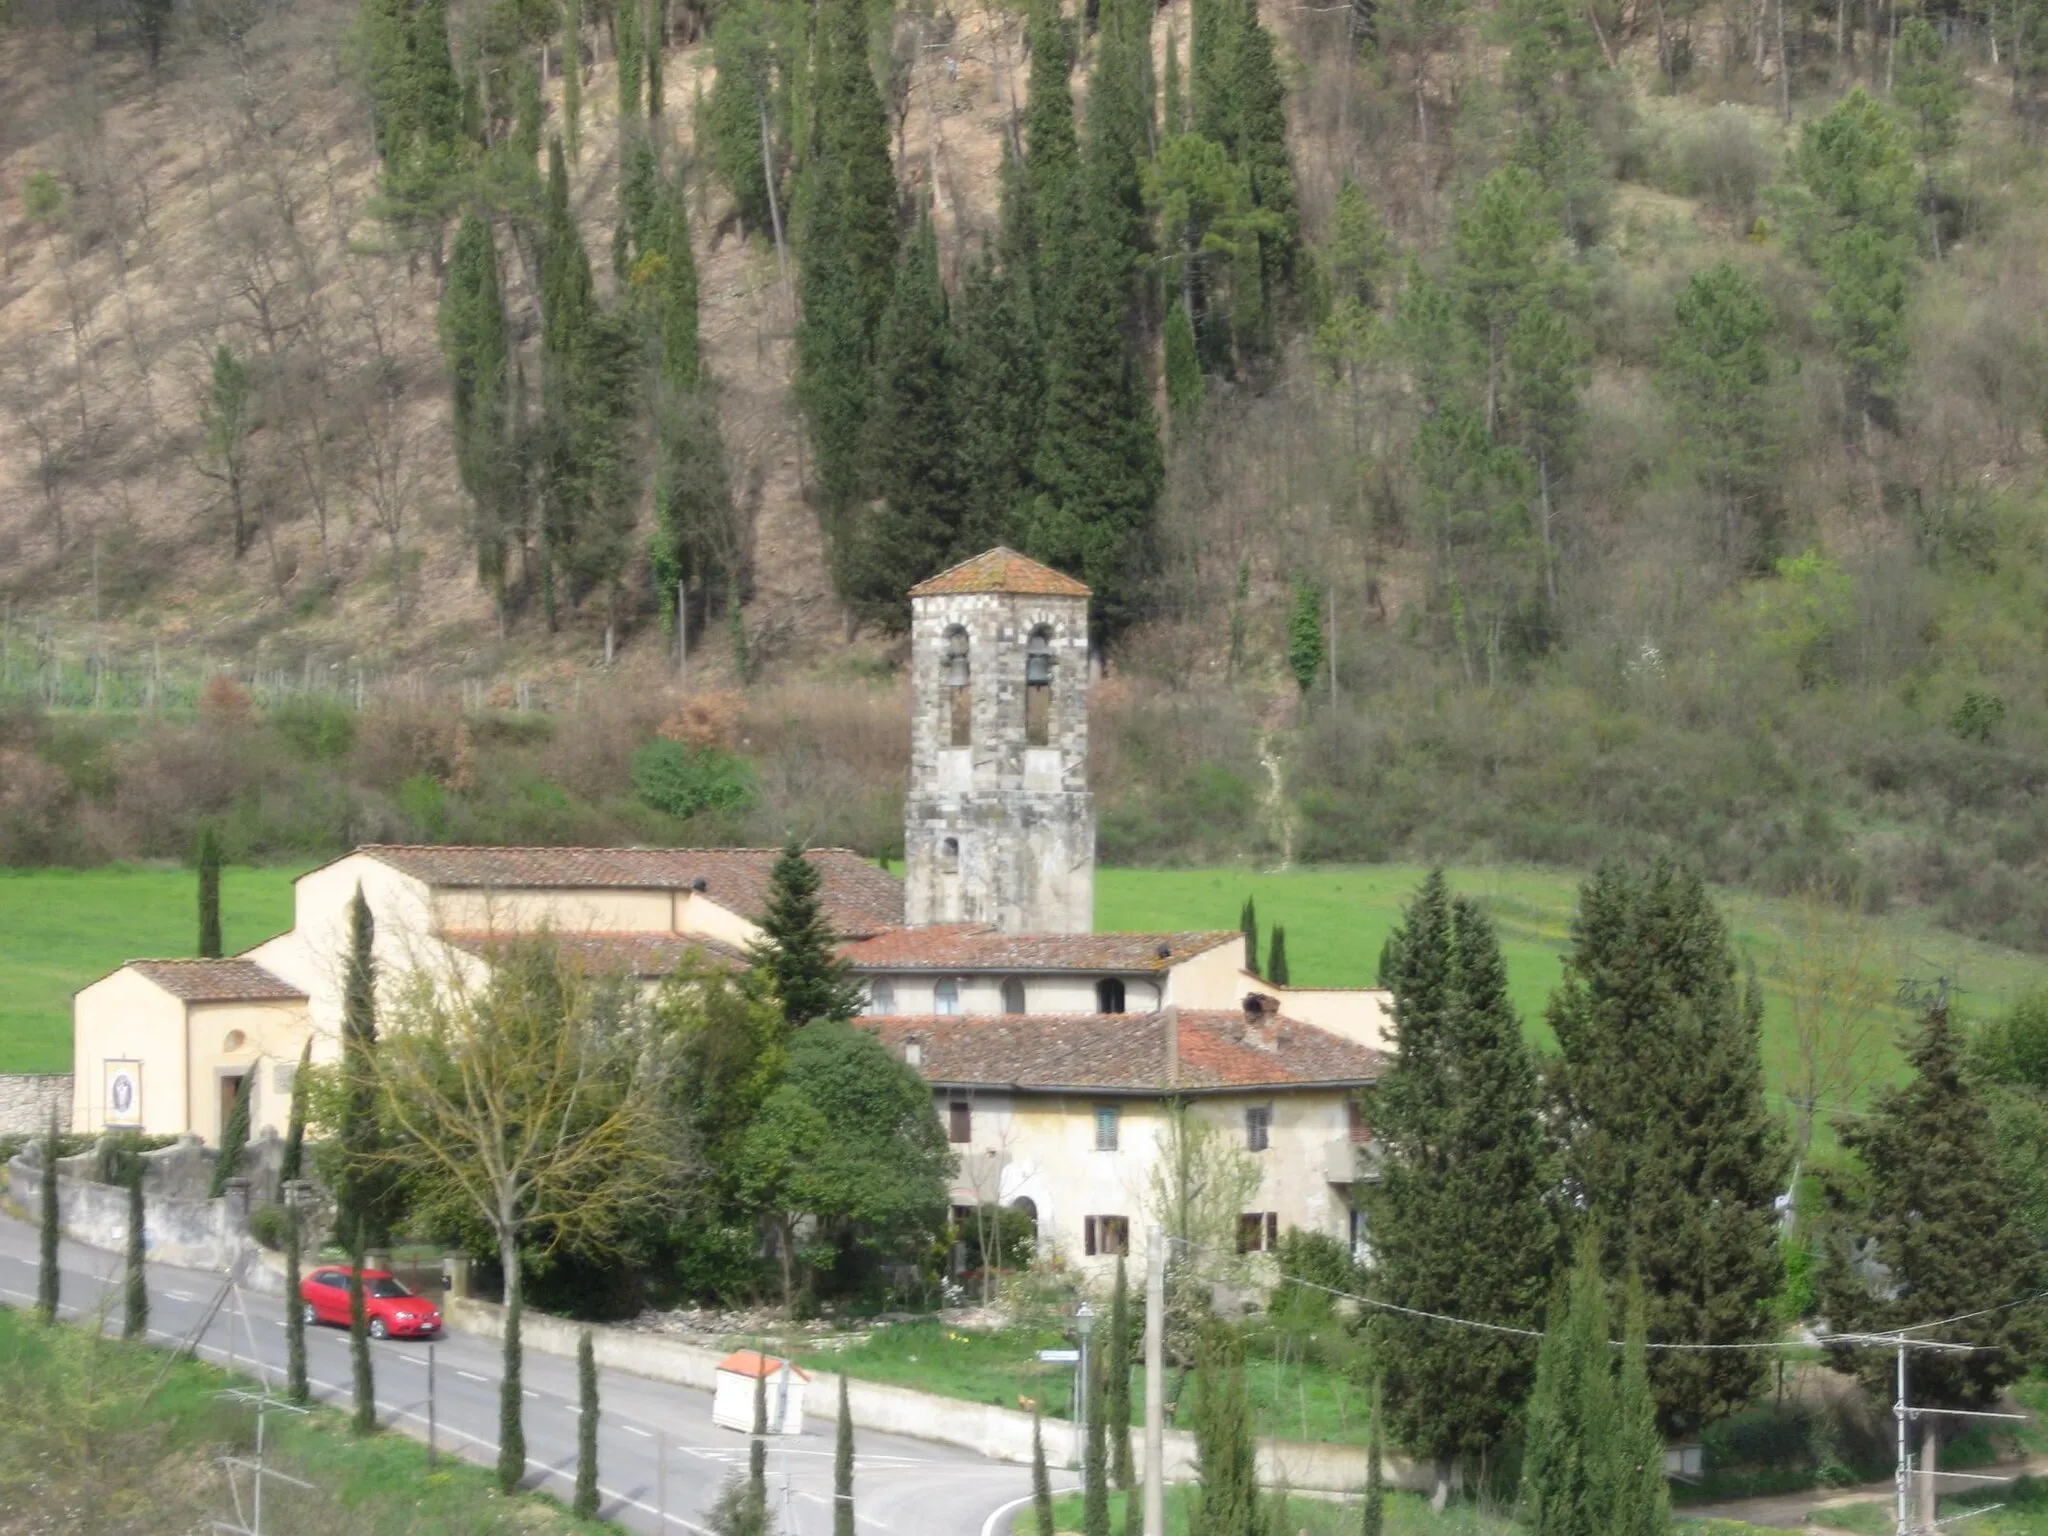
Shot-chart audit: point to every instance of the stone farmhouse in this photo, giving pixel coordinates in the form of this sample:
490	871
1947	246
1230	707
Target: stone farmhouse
1054	1052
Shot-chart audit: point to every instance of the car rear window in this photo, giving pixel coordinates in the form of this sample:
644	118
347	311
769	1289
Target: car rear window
388	1288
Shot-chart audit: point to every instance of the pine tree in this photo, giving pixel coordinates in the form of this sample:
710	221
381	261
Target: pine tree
1248	923
209	893
1671	1147
846	252
135	1316
585	1504
1095	1457
1568	1466
1116	1399
796	949
1942	1221
1226	1456
1460	1218
234	1138
1041	1482
1503	263
478	353
642	229
913	442
1548	357
1276	958
49	1281
1355	261
842	1468
1719	367
1305	645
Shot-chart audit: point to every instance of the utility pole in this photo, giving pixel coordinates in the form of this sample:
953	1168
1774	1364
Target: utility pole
1923	1520
1155	1383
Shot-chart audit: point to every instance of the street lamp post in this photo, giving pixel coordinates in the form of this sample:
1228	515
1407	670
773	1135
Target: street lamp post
1084	1324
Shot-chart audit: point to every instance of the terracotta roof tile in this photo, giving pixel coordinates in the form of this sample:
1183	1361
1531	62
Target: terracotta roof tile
641	954
746	1362
217	981
1127	1052
977	947
859	898
1000	570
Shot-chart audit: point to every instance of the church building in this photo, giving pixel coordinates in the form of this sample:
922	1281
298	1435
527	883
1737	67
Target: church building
1054	1052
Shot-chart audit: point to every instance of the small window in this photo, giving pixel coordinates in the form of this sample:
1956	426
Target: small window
235	1041
959	1121
882	997
959	690
1258	1128
1109	995
1106	1236
1107	1118
946	996
1038	665
1361	1128
949	856
1258	1232
1013	994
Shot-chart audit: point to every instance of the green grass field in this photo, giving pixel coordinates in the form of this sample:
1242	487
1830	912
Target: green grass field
60	929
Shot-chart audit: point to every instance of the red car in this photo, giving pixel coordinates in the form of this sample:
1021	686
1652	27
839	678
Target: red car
394	1312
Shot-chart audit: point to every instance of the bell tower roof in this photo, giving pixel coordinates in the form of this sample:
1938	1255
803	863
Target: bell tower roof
1000	570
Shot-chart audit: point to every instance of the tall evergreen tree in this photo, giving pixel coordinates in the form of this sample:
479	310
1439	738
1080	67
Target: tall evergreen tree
585	1504
478	353
1226	1455
913	442
1121	130
209	893
757	1444
1041	1482
135	1292
1248	924
842	1468
1186	388
796	949
1276	958
234	1138
1305	642
846	253
738	118
1373	1511
1116	1397
1670	1147
1568	1486
657	43
358	1193
49	1279
363	1417
1642	1496
298	1387
1052	152
572	75
999	386
1095	1455
1939	1217
632	57
1460	1219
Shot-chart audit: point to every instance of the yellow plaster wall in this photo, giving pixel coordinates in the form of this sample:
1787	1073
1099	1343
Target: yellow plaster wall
1210	979
566	911
273	1035
127	1017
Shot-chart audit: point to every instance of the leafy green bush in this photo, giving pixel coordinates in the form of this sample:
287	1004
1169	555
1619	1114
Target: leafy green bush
267	1224
1978	716
316	729
683	780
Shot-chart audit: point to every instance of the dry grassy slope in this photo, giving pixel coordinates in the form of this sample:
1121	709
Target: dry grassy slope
230	201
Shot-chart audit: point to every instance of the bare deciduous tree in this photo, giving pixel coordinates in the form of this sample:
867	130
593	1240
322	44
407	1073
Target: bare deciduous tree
1836	972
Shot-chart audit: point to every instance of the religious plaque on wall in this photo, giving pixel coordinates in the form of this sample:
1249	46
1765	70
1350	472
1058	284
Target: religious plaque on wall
124	1094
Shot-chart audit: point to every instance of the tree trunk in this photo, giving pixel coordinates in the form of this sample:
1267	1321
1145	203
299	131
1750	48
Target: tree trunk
774	204
511	1420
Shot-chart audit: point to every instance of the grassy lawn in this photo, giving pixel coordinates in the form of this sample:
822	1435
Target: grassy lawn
1408	1514
63	928
60	929
85	1444
1290	1401
2024	1512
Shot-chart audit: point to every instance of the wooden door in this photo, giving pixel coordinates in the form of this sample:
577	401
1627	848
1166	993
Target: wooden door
230	1089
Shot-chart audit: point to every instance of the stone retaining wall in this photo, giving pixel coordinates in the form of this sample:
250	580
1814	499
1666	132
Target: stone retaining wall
1001	1433
27	1098
177	1229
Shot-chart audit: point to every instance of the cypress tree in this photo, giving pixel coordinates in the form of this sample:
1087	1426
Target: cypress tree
743	56
1942	1219
209	893
657	43
1373	1514
478	352
1260	110
1099	465
1120	126
1095	1458
913	432
566	302
842	1468
999	385
1670	1143
364	1419
632	58
1460	1218
135	1318
1041	1482
1305	648
1568	1466
757	1445
234	1138
846	252
296	1386
586	1387
358	1215
796	948
48	1277
291	1166
1226	1456
1052	153
572	75
681	354
1276	958
1186	388
1116	1401
643	222
1642	1497
1248	922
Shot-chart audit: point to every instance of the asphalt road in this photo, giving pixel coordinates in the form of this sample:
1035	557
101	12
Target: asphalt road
661	1460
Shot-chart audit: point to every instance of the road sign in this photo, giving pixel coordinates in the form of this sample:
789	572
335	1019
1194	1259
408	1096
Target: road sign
1059	1357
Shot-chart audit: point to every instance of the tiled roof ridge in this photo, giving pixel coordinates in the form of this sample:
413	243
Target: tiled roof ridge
375	848
236	978
1001	569
972	947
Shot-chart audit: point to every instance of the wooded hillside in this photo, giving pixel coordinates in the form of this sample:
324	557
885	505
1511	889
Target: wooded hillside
1524	430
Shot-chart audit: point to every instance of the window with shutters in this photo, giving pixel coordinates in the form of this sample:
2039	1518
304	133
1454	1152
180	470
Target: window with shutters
1013	994
1258	1127
946	996
1106	1236
959	1120
1258	1232
1108	1118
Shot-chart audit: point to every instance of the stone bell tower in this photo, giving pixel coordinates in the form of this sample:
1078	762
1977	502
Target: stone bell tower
999	826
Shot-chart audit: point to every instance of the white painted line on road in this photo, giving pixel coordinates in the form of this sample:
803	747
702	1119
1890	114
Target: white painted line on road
988	1526
819	1498
642	1433
528	1391
179	1295
471	1376
412	1359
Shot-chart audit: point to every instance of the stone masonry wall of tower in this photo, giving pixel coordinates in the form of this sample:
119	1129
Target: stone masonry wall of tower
999	826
